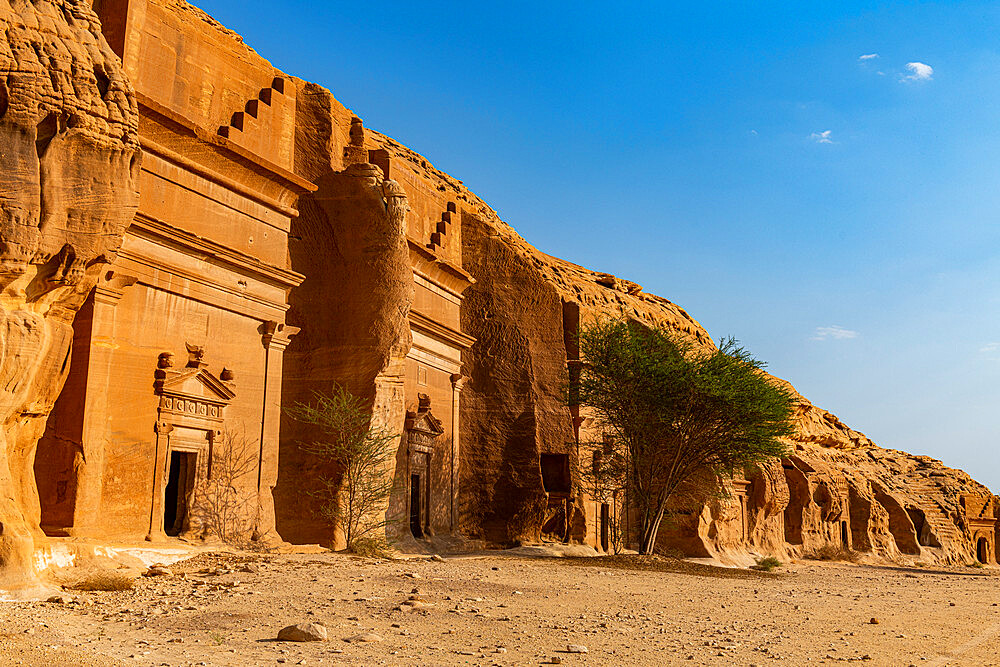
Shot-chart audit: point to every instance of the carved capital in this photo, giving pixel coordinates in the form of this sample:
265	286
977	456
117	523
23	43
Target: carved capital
458	381
162	428
276	335
111	287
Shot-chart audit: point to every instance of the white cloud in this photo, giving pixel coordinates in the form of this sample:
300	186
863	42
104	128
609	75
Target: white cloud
990	348
822	137
753	132
834	332
919	72
868	56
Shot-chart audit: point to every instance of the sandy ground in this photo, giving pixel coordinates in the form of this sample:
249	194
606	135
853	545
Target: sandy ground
496	610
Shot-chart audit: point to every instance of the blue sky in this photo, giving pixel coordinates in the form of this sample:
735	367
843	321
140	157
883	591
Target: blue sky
837	214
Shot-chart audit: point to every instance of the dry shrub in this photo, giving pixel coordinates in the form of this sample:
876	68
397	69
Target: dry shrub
832	552
225	502
766	564
371	547
362	449
105	580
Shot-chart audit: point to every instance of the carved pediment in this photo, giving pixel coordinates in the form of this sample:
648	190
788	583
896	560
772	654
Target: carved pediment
196	383
425	423
192	391
422	427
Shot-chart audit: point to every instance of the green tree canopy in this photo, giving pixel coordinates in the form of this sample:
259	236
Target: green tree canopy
677	411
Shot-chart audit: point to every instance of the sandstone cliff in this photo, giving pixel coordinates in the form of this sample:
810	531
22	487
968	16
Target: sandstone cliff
350	242
68	156
836	489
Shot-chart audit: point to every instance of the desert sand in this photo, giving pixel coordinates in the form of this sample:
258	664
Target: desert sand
492	609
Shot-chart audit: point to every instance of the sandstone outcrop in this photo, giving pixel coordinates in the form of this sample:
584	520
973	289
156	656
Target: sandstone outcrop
267	208
350	240
68	157
836	489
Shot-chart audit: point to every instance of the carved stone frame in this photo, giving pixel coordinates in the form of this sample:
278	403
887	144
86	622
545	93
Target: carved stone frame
422	429
187	421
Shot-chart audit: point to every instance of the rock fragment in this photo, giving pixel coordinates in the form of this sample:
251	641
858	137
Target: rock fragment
303	632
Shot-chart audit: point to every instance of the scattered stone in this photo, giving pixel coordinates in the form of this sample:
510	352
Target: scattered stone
158	571
576	648
873	621
437	559
61	598
303	632
364	638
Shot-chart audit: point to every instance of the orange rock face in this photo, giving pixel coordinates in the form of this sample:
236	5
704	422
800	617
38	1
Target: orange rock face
69	156
837	490
261	196
350	242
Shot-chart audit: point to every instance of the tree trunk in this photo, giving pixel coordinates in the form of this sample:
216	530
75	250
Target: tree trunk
648	530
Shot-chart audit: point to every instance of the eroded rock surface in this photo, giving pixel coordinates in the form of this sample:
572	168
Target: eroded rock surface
350	242
69	157
836	490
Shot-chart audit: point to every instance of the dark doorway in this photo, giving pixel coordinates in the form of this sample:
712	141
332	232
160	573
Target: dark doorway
555	473
982	550
605	525
180	480
844	535
415	523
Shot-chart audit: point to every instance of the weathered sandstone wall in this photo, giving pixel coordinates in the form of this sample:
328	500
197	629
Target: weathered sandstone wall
836	489
350	242
385	262
69	156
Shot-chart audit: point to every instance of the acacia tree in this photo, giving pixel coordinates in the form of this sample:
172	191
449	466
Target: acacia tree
677	411
355	499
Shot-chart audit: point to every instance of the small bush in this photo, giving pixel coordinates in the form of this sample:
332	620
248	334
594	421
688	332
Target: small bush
105	580
831	552
371	547
974	563
670	552
767	564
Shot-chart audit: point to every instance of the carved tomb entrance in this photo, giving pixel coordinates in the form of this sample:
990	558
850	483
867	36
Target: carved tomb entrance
180	487
422	429
982	550
190	420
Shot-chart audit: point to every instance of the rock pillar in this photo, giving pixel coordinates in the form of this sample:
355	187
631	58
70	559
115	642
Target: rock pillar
68	163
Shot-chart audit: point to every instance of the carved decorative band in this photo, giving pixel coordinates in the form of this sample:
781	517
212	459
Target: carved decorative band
184	406
161	230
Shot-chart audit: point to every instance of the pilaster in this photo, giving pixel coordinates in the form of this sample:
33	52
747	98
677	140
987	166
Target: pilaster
275	337
99	372
457	383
